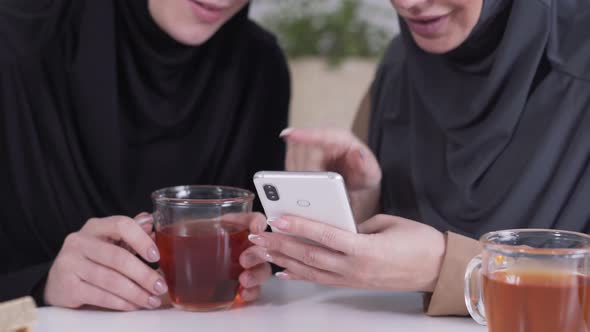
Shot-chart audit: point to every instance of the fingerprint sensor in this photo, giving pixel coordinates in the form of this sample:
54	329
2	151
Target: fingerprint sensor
303	203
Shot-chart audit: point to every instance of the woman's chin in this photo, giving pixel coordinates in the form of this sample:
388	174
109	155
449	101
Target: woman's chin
438	45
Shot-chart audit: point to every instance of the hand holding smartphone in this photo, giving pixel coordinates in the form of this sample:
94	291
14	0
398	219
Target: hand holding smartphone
318	196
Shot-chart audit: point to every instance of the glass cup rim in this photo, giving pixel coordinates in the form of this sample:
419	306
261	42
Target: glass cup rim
157	195
488	243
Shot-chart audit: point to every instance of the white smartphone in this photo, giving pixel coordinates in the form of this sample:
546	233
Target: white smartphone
318	196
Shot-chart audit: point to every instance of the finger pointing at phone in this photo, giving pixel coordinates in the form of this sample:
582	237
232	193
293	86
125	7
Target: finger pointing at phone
337	150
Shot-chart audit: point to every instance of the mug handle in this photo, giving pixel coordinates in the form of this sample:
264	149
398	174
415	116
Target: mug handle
474	295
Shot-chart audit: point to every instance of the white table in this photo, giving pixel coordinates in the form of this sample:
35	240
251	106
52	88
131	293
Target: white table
285	306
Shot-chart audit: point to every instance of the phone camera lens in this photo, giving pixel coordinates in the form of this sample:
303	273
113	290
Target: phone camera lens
271	192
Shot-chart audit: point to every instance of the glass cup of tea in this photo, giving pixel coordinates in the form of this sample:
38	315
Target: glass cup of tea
201	231
531	280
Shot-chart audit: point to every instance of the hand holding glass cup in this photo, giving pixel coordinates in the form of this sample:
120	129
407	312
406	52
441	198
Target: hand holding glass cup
201	231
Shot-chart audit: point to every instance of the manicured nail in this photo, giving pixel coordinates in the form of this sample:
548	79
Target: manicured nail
279	223
361	155
286	132
160	287
246	294
249	280
258	240
249	260
153	254
282	275
144	219
268	257
154	302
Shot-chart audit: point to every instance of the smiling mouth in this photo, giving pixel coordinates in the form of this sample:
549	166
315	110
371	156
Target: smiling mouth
208	6
428	27
427	20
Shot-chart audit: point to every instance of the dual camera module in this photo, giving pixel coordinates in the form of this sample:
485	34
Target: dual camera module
271	192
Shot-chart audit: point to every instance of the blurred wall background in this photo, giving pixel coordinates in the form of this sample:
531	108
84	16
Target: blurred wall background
333	48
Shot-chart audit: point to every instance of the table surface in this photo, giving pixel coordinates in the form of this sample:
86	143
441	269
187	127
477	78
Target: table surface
284	306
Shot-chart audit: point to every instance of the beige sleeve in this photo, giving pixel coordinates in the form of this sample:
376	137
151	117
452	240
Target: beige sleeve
447	298
360	126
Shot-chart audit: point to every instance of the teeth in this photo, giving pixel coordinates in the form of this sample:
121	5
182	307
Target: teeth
204	5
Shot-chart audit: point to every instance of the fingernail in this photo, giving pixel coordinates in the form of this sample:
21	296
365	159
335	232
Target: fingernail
144	219
154	302
160	287
279	223
245	294
262	228
361	154
258	240
249	260
286	132
249	280
268	257
282	275
153	254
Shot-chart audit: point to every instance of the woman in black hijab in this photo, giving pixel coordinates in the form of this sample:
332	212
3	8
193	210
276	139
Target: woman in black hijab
102	102
479	121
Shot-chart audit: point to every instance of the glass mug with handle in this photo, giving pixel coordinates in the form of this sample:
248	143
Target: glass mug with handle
201	231
531	280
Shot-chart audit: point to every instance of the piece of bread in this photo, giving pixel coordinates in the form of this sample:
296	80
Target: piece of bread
18	315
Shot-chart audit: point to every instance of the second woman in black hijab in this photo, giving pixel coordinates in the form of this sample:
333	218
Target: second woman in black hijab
102	102
479	121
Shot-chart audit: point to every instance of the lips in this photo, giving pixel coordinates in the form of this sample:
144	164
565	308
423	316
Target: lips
207	12
428	27
208	6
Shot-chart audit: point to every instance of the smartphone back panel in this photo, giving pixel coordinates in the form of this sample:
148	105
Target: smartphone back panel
319	196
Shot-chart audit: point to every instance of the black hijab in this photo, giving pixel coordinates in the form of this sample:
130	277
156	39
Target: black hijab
99	107
492	135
